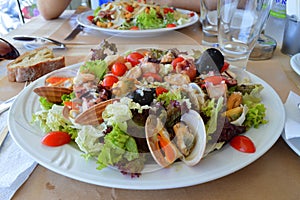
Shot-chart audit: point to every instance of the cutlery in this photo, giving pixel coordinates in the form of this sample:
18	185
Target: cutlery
58	45
3	135
74	32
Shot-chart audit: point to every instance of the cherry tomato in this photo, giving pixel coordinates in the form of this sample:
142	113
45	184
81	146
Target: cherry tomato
129	8
90	18
191	14
171	25
56	138
160	90
109	80
134	58
242	144
134	28
118	69
153	75
176	60
168	10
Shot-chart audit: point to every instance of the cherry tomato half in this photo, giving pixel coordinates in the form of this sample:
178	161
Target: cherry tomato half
118	69
56	138
242	144
109	80
171	25
168	10
134	28
134	58
90	18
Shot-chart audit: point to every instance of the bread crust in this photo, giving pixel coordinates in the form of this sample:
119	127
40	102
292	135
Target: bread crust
31	72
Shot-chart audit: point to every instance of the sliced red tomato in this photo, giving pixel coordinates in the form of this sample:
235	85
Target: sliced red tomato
171	25
168	10
90	18
134	58
160	90
109	80
134	28
176	60
243	144
56	138
118	69
130	8
156	76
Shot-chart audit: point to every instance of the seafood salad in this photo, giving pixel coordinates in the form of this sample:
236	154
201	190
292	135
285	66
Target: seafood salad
148	106
137	15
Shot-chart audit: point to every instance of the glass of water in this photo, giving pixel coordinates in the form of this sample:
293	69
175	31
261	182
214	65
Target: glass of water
240	23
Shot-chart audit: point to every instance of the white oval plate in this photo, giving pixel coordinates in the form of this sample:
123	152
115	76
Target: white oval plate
295	63
82	19
67	160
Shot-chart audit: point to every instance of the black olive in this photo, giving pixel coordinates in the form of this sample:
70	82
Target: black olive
211	60
144	96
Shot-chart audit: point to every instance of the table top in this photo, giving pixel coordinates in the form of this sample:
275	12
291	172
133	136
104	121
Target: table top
275	175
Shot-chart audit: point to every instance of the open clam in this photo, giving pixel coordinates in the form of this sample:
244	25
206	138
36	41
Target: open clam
93	115
188	144
51	93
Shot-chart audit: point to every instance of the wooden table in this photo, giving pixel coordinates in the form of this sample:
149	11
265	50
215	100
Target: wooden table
275	175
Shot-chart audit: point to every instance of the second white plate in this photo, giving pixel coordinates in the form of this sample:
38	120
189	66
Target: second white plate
82	19
295	63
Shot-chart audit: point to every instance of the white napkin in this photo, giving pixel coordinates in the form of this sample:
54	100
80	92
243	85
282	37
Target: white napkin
292	124
15	165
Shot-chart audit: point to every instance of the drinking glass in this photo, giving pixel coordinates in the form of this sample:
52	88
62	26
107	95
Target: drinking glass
240	23
209	21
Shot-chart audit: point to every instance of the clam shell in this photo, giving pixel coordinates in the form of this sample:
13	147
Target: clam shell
197	126
154	126
52	94
93	115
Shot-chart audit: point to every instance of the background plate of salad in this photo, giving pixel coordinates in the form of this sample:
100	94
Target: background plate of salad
142	25
68	160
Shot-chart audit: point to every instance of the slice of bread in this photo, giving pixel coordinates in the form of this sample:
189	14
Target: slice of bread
34	64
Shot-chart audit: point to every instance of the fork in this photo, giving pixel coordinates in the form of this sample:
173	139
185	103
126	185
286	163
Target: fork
3	107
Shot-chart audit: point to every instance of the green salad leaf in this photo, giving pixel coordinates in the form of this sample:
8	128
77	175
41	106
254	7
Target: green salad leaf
117	146
149	20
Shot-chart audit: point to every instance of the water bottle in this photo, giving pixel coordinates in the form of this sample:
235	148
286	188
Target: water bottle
96	3
276	22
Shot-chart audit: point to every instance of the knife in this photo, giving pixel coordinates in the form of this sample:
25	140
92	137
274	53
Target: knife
58	45
74	32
